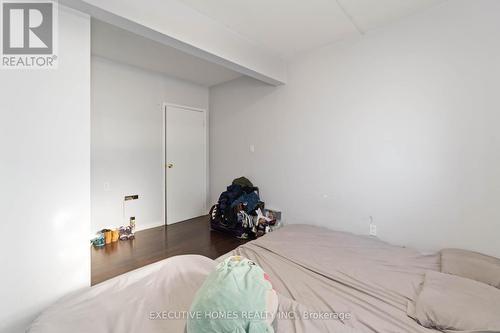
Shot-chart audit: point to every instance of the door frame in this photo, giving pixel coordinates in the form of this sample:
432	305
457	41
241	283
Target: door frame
164	108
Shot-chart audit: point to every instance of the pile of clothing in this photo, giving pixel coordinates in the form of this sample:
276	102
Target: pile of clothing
239	211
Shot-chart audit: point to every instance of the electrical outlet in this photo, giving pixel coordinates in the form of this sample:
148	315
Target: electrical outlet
373	227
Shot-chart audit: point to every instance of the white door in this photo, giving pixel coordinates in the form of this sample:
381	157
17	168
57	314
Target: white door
186	163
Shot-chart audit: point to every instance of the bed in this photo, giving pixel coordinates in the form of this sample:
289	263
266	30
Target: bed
324	271
315	271
136	302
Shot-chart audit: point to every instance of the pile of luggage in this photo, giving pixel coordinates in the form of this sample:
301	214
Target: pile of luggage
239	211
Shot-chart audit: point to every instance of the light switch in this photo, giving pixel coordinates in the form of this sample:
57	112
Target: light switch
252	148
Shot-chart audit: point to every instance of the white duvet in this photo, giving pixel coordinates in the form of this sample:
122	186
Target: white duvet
151	299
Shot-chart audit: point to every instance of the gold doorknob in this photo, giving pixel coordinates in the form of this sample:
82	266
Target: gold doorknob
170	165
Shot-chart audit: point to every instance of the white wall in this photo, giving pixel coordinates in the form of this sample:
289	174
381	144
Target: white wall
45	178
127	130
401	124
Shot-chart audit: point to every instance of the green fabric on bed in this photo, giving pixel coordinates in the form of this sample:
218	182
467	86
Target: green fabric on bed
237	297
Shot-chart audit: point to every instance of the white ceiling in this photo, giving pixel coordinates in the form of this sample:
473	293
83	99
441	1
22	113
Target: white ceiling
284	27
287	27
113	43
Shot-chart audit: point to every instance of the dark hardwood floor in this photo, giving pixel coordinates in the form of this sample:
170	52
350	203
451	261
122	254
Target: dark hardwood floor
151	245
